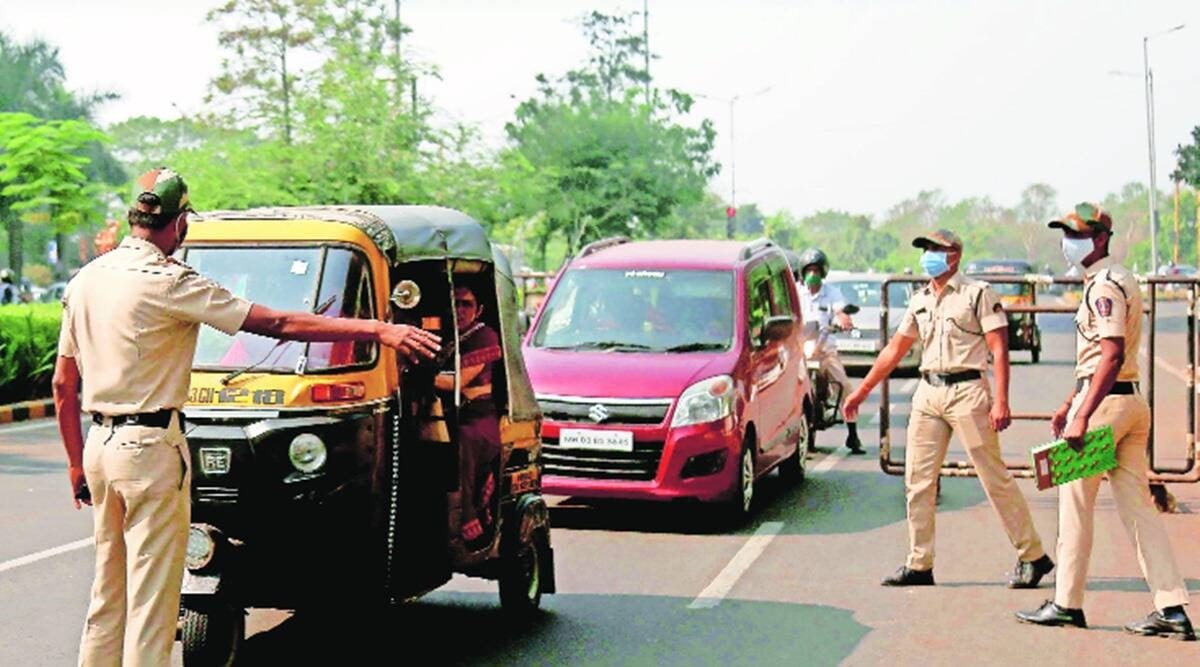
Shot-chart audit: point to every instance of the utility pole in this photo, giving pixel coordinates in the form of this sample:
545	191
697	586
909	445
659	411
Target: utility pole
1175	253
645	44
1150	140
731	211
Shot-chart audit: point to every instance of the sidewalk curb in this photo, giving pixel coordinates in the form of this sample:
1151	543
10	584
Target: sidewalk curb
16	412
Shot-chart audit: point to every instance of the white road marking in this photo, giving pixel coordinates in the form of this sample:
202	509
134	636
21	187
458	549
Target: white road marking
742	560
830	460
48	553
1161	363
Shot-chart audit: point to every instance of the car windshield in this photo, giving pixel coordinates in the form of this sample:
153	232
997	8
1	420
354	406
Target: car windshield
868	293
639	310
334	282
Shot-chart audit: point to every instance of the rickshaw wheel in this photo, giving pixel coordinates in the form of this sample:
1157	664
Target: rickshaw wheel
521	576
212	635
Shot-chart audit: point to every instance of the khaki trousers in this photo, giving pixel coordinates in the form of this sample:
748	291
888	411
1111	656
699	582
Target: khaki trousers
961	408
831	366
1129	416
138	477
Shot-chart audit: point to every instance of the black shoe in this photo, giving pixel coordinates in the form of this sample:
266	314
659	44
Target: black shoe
855	445
1172	623
1028	573
906	577
1053	615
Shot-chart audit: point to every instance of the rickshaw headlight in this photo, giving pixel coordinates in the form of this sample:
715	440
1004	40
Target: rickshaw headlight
307	453
201	547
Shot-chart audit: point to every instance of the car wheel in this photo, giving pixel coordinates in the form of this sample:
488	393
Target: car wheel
793	468
738	507
212	635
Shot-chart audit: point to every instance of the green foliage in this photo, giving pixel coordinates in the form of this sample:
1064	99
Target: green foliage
28	348
602	154
1188	170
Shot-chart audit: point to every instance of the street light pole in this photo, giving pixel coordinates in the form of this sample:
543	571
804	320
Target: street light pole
1150	141
729	219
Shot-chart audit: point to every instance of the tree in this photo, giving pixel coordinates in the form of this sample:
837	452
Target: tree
1188	169
608	163
1038	205
262	35
42	169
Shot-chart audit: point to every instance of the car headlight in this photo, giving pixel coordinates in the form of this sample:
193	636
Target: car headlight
810	346
705	401
201	547
307	452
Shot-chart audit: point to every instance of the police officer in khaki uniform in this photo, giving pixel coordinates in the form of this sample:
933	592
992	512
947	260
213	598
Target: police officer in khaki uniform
130	322
1108	333
958	321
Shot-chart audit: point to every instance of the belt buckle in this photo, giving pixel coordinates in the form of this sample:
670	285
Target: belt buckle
936	380
134	419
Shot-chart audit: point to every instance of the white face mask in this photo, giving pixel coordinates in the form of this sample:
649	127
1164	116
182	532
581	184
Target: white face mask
1075	250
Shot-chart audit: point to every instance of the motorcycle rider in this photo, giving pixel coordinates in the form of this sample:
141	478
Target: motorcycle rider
823	304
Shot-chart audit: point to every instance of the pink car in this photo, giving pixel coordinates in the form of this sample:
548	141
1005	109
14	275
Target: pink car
671	370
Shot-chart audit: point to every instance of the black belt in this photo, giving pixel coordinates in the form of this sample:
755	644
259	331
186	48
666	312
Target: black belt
160	419
1123	388
947	379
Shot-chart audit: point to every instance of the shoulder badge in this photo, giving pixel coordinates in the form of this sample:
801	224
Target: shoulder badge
1104	306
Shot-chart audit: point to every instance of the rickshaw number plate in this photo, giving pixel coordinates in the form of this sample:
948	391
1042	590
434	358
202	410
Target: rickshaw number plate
607	441
857	345
215	460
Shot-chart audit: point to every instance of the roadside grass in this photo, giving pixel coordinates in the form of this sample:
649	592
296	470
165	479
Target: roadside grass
28	347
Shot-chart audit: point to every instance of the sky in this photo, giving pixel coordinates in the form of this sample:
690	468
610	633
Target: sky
867	102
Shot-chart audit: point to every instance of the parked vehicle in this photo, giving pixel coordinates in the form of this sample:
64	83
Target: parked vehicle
1023	331
860	346
327	473
671	370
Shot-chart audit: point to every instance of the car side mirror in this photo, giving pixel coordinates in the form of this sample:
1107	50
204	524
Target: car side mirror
522	322
778	327
850	309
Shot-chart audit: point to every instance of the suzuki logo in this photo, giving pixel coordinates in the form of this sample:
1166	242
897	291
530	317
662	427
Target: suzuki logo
855	333
598	413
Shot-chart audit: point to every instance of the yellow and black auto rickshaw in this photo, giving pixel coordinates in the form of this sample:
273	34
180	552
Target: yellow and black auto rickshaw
1003	274
330	471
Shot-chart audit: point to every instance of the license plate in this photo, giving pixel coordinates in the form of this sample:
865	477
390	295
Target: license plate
605	441
857	345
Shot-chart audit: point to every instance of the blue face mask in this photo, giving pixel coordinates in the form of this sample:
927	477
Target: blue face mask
934	263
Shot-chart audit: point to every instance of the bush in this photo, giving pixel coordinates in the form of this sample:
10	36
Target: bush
39	274
28	348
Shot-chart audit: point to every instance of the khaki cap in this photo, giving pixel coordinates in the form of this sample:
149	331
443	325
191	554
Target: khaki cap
942	238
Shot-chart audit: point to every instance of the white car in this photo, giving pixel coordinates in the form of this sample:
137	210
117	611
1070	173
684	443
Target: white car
859	347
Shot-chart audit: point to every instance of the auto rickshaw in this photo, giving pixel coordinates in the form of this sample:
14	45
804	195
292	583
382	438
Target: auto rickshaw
329	471
1023	331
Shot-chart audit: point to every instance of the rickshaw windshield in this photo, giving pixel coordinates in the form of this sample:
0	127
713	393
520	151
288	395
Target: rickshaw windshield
329	281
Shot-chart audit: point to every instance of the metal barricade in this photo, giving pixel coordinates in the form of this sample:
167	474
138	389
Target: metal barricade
1189	473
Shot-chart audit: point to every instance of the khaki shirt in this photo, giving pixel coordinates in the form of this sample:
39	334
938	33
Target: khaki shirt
1111	307
951	327
130	321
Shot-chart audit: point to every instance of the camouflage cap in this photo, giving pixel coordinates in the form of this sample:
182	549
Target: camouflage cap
940	239
169	190
1085	218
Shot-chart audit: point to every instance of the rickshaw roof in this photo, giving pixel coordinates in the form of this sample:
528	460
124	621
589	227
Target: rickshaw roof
402	233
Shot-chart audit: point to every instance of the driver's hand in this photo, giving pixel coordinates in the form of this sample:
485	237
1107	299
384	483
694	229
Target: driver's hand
412	342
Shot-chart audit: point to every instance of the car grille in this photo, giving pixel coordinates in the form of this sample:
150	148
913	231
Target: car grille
587	410
639	465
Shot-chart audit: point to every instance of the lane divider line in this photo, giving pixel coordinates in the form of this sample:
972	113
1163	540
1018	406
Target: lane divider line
830	460
724	582
48	553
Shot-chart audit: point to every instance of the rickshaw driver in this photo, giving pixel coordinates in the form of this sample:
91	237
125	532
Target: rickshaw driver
821	304
478	421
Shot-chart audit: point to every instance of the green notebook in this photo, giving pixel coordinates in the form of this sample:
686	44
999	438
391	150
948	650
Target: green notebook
1055	463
